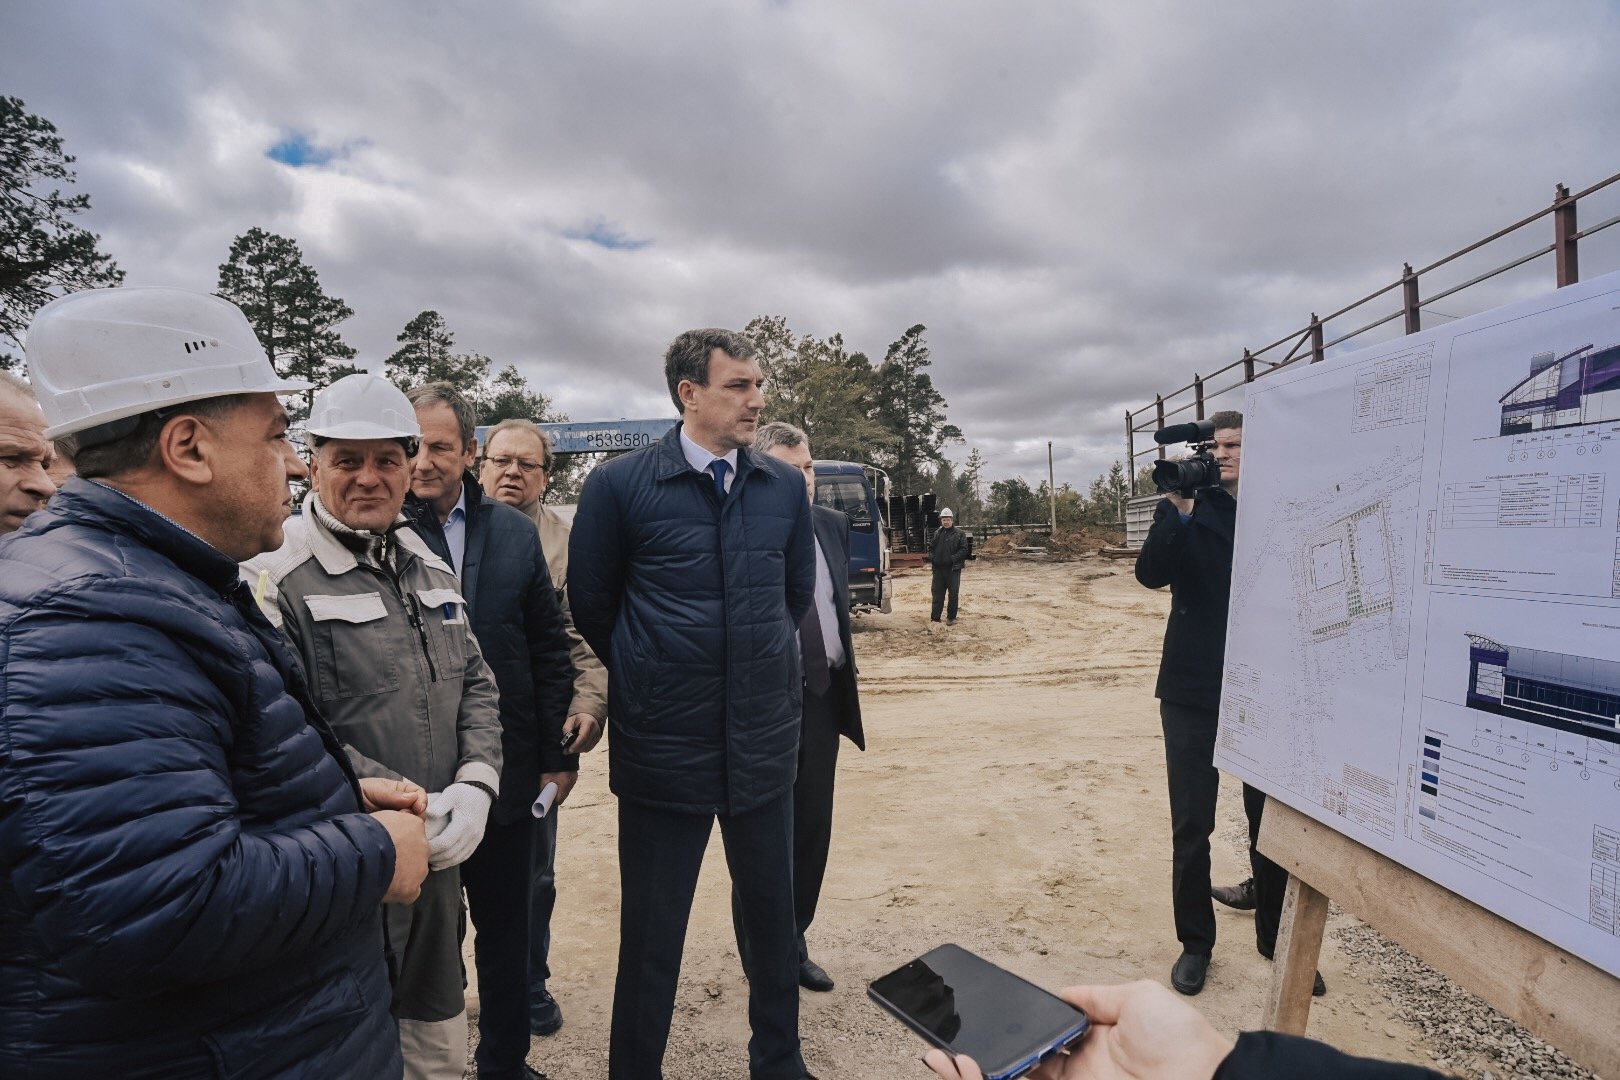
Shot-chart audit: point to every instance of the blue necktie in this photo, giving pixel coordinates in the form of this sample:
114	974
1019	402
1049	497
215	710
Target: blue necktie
720	466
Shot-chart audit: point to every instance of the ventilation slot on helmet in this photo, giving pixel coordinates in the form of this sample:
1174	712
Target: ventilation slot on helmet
196	346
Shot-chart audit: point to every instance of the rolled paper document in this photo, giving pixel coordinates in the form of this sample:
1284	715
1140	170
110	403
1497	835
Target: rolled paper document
542	805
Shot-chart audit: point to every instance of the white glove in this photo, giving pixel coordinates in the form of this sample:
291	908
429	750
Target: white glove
455	824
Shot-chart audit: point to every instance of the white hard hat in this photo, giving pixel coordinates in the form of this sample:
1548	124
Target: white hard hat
103	355
947	513
363	406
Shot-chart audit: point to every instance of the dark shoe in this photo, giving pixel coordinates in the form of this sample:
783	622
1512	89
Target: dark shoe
1318	987
1188	974
545	1015
812	976
950	622
1239	897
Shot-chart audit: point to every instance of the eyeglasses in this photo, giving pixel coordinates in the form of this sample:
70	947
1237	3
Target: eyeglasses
503	463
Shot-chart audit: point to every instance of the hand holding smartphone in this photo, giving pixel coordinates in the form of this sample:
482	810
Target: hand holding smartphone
963	1003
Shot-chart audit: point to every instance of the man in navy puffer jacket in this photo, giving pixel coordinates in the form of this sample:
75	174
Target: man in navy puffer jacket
189	886
690	565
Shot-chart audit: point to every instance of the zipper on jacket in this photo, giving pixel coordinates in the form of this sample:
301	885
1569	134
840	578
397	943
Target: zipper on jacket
414	613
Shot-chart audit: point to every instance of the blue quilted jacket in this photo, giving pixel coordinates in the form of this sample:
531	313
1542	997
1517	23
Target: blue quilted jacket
187	886
691	602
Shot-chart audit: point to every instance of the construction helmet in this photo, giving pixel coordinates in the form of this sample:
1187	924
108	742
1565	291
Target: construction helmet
363	406
947	513
102	356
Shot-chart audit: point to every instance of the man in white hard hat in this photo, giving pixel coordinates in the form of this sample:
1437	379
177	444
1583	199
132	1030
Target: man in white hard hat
382	626
517	471
190	882
947	555
26	456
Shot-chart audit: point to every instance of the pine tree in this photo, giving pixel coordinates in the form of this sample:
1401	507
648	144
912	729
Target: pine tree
295	320
43	254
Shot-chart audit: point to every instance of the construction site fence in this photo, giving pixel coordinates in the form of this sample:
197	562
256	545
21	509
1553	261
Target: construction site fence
1311	342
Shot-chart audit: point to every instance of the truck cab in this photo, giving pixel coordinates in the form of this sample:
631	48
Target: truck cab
852	488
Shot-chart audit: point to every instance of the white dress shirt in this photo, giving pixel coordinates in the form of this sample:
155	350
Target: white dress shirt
700	458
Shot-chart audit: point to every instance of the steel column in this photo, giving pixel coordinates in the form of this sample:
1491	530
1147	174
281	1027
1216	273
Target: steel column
1409	299
1565	238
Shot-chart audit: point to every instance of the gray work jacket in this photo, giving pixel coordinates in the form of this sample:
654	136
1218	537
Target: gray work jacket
391	660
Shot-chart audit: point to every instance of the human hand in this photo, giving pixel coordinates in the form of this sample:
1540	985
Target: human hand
410	855
379	793
1184	506
1139	1031
587	731
464	811
565	782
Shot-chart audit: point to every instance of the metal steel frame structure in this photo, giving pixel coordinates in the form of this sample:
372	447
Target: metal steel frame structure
1310	342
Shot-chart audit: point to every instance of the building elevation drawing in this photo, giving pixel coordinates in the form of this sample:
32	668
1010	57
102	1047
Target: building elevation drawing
1423	649
1580	387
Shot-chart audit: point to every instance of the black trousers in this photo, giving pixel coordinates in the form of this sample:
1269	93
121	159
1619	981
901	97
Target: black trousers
660	854
496	877
812	812
1270	880
542	901
1195	784
947	579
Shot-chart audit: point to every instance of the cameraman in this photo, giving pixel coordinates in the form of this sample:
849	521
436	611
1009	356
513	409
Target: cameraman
1189	548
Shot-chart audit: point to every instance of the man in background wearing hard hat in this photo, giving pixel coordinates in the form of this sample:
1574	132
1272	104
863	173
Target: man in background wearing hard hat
190	884
947	555
382	627
26	456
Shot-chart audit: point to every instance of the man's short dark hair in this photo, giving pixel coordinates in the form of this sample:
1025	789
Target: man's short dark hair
445	393
1227	418
134	450
688	357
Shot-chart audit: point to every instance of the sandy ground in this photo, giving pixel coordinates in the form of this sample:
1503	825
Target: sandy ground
1011	800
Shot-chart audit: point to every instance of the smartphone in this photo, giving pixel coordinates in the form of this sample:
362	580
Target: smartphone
967	1005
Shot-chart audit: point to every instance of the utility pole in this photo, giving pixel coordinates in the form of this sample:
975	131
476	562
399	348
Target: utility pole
1051	485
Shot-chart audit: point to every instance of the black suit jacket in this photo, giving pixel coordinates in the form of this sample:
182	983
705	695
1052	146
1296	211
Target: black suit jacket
519	625
1194	558
832	535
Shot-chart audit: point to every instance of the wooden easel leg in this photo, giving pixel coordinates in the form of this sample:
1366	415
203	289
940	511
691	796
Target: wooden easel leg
1299	947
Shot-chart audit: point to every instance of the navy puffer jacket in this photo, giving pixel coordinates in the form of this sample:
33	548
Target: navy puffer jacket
187	886
691	602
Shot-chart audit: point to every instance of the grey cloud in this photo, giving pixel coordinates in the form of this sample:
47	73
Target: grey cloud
1085	204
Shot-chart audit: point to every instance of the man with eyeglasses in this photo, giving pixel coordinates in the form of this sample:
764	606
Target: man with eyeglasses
517	471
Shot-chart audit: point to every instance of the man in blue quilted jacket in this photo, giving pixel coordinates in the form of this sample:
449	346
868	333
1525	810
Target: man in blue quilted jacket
191	877
690	565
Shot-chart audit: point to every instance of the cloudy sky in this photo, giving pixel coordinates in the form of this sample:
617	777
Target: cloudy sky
1084	202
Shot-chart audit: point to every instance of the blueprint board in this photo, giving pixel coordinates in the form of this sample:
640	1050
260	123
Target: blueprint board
1424	645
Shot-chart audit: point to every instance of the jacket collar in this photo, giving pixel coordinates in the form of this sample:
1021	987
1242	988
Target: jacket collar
670	459
89	503
421	512
335	556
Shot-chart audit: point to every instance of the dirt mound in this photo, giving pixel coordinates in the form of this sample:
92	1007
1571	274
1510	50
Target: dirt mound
1081	541
1070	542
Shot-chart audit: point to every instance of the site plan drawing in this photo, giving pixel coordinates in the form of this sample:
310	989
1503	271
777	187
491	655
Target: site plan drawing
1424	644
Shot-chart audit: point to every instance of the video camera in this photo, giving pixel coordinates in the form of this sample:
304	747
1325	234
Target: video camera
1189	475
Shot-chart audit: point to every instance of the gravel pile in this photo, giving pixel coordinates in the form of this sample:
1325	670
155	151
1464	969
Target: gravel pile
1465	1036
